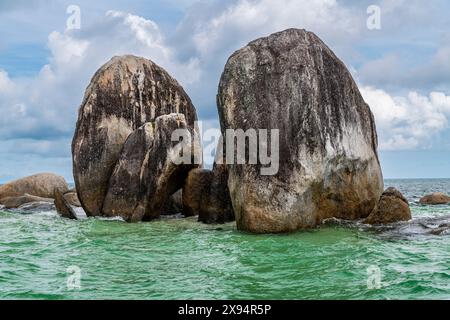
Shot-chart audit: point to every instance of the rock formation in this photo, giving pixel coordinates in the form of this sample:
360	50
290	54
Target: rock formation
435	198
145	174
328	162
128	96
392	207
41	185
206	194
63	207
72	198
15	202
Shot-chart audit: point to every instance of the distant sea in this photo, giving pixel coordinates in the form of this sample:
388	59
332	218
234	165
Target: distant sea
42	256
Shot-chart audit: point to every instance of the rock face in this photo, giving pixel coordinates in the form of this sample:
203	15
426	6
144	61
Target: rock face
146	175
392	207
206	194
63	206
173	204
124	96
435	198
41	185
15	202
328	162
72	199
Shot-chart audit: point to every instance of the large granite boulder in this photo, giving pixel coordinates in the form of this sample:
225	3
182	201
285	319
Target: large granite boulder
435	198
328	162
146	173
40	185
124	95
392	207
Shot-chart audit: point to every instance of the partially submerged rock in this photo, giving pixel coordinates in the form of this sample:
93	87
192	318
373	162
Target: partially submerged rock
206	194
63	207
15	202
435	198
392	207
328	162
146	173
41	185
124	95
72	198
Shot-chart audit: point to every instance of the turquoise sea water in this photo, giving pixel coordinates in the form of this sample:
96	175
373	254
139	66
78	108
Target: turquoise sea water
183	259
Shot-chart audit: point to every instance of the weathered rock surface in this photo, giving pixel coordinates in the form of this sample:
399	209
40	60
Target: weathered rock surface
216	206
392	207
63	207
72	198
328	162
435	198
15	202
125	94
41	185
173	204
206	194
146	173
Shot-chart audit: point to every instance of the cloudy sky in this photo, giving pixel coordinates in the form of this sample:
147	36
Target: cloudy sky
402	69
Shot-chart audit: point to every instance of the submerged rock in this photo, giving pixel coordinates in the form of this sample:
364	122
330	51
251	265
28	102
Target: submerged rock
15	202
435	198
392	207
328	162
40	185
63	207
124	95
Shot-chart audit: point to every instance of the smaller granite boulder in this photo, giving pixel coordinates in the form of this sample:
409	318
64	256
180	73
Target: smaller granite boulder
173	204
15	202
206	194
392	207
42	185
435	198
63	207
72	199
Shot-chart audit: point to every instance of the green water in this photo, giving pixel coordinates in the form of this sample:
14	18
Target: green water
182	259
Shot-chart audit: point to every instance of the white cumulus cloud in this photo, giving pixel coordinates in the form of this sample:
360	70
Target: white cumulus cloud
408	122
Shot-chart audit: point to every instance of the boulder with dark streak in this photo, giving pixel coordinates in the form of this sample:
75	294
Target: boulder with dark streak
15	202
124	95
328	161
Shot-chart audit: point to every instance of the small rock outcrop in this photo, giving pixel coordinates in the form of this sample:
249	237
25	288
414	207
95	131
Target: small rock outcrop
41	185
173	204
206	194
146	173
435	198
328	163
392	207
63	207
128	104
15	202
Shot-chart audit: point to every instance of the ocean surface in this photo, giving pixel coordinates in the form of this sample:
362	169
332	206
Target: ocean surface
43	256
